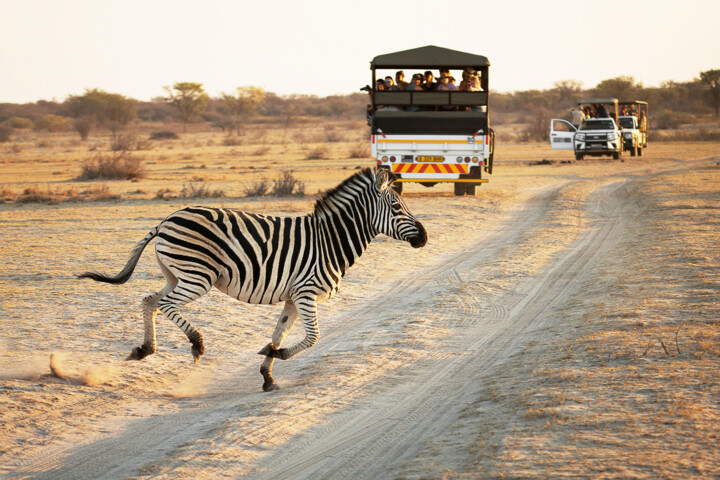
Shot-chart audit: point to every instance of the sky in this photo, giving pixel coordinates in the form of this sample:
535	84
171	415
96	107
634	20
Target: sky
50	49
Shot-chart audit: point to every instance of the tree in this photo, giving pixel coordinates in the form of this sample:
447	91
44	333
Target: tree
711	79
245	102
110	110
189	98
622	88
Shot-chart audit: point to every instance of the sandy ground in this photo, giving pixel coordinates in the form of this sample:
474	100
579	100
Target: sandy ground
563	323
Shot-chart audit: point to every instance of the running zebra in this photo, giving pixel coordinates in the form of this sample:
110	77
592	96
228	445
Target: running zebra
265	260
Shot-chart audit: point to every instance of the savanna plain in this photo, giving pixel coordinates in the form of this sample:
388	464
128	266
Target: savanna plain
561	323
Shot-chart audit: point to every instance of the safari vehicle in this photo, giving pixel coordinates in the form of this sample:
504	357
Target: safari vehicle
633	121
598	135
432	137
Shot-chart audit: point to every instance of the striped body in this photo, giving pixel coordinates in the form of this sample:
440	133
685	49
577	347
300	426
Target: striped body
265	260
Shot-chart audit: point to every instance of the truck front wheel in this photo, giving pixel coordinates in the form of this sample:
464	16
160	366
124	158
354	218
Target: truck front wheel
639	151
579	156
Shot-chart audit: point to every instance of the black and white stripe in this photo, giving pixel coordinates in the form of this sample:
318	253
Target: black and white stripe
264	260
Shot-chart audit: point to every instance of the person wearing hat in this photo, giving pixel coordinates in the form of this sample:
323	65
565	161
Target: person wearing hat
447	82
470	81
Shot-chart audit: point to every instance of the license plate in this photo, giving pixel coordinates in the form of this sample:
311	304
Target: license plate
595	145
429	158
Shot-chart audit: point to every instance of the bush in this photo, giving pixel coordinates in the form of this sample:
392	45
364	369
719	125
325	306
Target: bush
118	166
359	151
200	190
5	132
318	153
19	123
164	135
123	142
538	128
83	125
287	185
53	123
257	189
232	141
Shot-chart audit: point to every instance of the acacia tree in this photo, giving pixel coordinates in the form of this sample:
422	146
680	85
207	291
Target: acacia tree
96	107
622	88
189	98
711	79
245	102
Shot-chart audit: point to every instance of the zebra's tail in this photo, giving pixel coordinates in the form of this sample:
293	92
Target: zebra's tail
126	272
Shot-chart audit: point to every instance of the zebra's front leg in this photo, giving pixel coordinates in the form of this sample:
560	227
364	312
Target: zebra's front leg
285	323
307	310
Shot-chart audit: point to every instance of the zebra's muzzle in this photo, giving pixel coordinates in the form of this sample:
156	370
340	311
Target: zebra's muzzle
419	240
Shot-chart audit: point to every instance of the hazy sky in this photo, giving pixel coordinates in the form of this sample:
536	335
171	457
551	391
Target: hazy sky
50	49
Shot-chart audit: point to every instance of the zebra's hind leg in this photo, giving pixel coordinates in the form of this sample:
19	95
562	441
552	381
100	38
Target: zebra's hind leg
150	309
285	323
184	292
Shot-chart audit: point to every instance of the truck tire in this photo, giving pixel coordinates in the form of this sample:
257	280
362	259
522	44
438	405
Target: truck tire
470	189
459	189
633	151
616	155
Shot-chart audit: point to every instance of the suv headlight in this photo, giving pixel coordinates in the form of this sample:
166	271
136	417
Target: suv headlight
628	135
611	136
580	137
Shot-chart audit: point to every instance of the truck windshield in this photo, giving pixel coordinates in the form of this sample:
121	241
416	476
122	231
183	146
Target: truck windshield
627	123
597	125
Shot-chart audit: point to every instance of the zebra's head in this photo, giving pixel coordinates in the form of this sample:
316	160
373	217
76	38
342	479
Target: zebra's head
392	216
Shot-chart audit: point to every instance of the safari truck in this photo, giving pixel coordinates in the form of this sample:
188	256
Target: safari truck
634	121
431	136
598	135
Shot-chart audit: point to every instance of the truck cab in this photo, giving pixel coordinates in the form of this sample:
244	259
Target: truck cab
599	133
432	136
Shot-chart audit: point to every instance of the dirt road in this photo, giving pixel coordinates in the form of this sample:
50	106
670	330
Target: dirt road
397	385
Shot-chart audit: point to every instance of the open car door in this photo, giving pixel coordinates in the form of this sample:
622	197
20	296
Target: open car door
562	133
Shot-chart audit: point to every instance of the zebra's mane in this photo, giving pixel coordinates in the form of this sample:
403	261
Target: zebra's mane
365	177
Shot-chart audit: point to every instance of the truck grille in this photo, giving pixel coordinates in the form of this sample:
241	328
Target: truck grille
595	137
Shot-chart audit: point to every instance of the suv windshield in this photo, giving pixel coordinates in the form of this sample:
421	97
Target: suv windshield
627	123
597	125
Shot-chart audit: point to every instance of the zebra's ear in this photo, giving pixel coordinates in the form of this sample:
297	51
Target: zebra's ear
384	179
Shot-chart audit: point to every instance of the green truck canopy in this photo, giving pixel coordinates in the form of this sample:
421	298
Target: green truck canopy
429	56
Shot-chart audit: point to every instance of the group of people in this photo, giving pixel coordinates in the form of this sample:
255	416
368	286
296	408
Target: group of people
425	82
598	110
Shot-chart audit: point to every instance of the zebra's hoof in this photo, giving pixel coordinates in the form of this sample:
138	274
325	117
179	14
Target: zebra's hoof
138	353
270	386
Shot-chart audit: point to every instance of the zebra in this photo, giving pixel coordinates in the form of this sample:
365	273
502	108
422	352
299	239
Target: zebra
262	259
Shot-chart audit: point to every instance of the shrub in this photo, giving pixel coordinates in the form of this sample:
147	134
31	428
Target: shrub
118	166
19	123
287	185
232	141
83	125
318	153
53	123
538	126
123	142
5	132
359	151
200	190
163	135
257	189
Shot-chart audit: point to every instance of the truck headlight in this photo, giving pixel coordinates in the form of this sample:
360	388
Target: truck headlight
611	136
580	137
628	135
